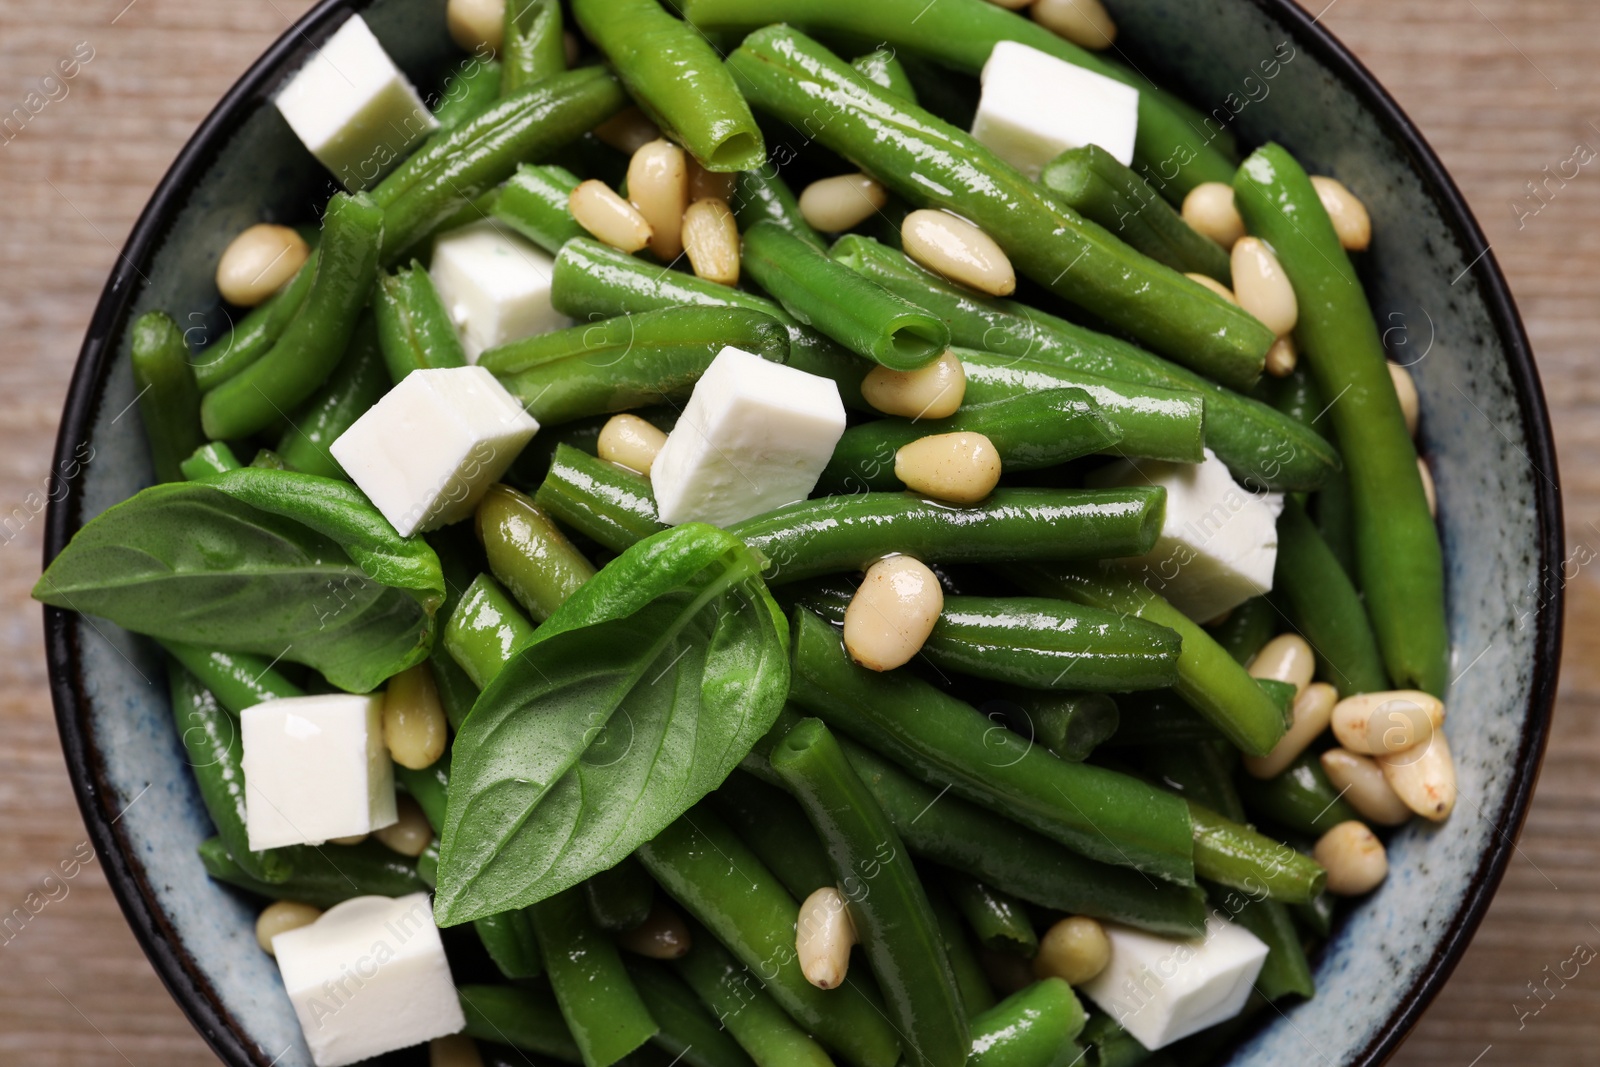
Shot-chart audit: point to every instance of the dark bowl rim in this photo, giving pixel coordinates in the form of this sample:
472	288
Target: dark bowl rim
180	973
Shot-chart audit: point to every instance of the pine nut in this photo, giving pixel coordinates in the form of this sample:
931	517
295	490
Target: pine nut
1083	22
598	209
711	237
709	184
280	917
1215	286
1286	658
1261	286
477	24
414	725
1282	357
410	834
1074	950
1361	782
1428	489
1209	209
962	468
658	186
1350	219
351	839
843	202
931	392
258	262
892	613
1405	387
630	441
1424	778
627	131
1313	708
662	936
823	936
454	1050
1390	721
954	248
1353	857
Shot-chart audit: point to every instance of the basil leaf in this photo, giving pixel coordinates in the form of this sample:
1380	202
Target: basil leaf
258	560
634	700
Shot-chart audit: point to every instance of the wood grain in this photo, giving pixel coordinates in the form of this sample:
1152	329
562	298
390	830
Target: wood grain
1500	87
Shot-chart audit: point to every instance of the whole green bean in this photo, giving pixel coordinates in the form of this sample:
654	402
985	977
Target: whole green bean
533	201
1398	558
1248	627
169	400
1238	857
214	457
522	1017
775	827
884	68
935	165
528	553
759	196
1098	813
971	983
239	680
508	938
1300	798
602	501
414	329
1071	725
687	1031
323	876
311	346
620	898
531	43
357	383
1316	595
485	630
887	907
468	92
256	333
998	921
1034	1027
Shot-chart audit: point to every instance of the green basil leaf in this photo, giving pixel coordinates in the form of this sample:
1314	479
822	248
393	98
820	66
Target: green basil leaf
257	560
638	697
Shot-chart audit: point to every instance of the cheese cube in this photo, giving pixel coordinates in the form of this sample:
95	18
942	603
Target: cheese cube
368	977
1218	543
1160	989
353	109
495	285
754	436
426	453
1035	106
315	768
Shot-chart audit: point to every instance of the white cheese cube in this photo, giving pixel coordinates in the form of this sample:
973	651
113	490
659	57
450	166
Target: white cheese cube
426	453
1161	990
1219	541
754	436
315	767
495	285
353	109
1035	106
368	977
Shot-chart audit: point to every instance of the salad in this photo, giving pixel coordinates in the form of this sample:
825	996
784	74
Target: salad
787	532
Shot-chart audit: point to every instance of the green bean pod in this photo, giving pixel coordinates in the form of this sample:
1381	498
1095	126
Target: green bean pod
844	533
214	457
775	827
528	553
508	938
1298	397
1398	558
1248	627
457	691
531	43
998	921
239	680
485	630
1317	596
620	898
602	501
887	907
414	329
1034	1027
628	361
687	1031
1070	725
759	196
522	1017
1236	856
533	201
323	876
357	383
1098	813
468	92
169	400
256	333
1315	917
1300	798
883	67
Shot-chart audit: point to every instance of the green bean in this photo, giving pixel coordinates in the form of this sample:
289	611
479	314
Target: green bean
1258	443
628	361
759	196
508	938
533	201
1300	798
1238	857
323	876
468	92
775	827
239	680
485	630
169	400
1159	717
603	1009
1095	184
1315	916
1208	678
528	553
1248	627
1201	773
677	78
531	43
256	333
883	68
1098	813
1070	725
600	500
962	33
715	876
215	457
1319	600
833	534
1398	558
267	459
414	329
1298	397
311	345
519	1016
687	1031
971	983
457	691
620	897
1034	1027
358	382
935	165
1110	1045
428	787
1030	431
999	922
595	281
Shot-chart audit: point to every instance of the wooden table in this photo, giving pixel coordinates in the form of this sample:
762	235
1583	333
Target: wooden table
1502	88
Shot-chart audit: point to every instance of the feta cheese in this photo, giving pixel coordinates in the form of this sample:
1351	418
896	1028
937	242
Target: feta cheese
754	436
426	453
315	767
495	285
1035	106
1219	541
368	977
353	109
1160	989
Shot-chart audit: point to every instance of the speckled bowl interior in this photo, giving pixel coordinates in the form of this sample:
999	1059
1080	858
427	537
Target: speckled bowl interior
1439	297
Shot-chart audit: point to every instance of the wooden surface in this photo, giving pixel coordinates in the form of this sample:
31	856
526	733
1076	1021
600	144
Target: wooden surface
1501	88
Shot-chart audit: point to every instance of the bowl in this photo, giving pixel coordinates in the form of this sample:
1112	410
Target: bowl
1264	65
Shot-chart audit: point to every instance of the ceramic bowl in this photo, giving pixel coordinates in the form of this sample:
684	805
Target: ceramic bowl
1440	299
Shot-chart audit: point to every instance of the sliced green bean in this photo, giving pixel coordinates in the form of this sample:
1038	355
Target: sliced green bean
528	553
1300	798
775	827
169	399
485	630
687	1031
998	921
468	92
534	200
239	680
759	196
1238	857
1034	1027
214	457
602	501
323	876
357	383
256	333
522	1017
620	898
414	329
1248	627
884	68
531	43
1317	596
